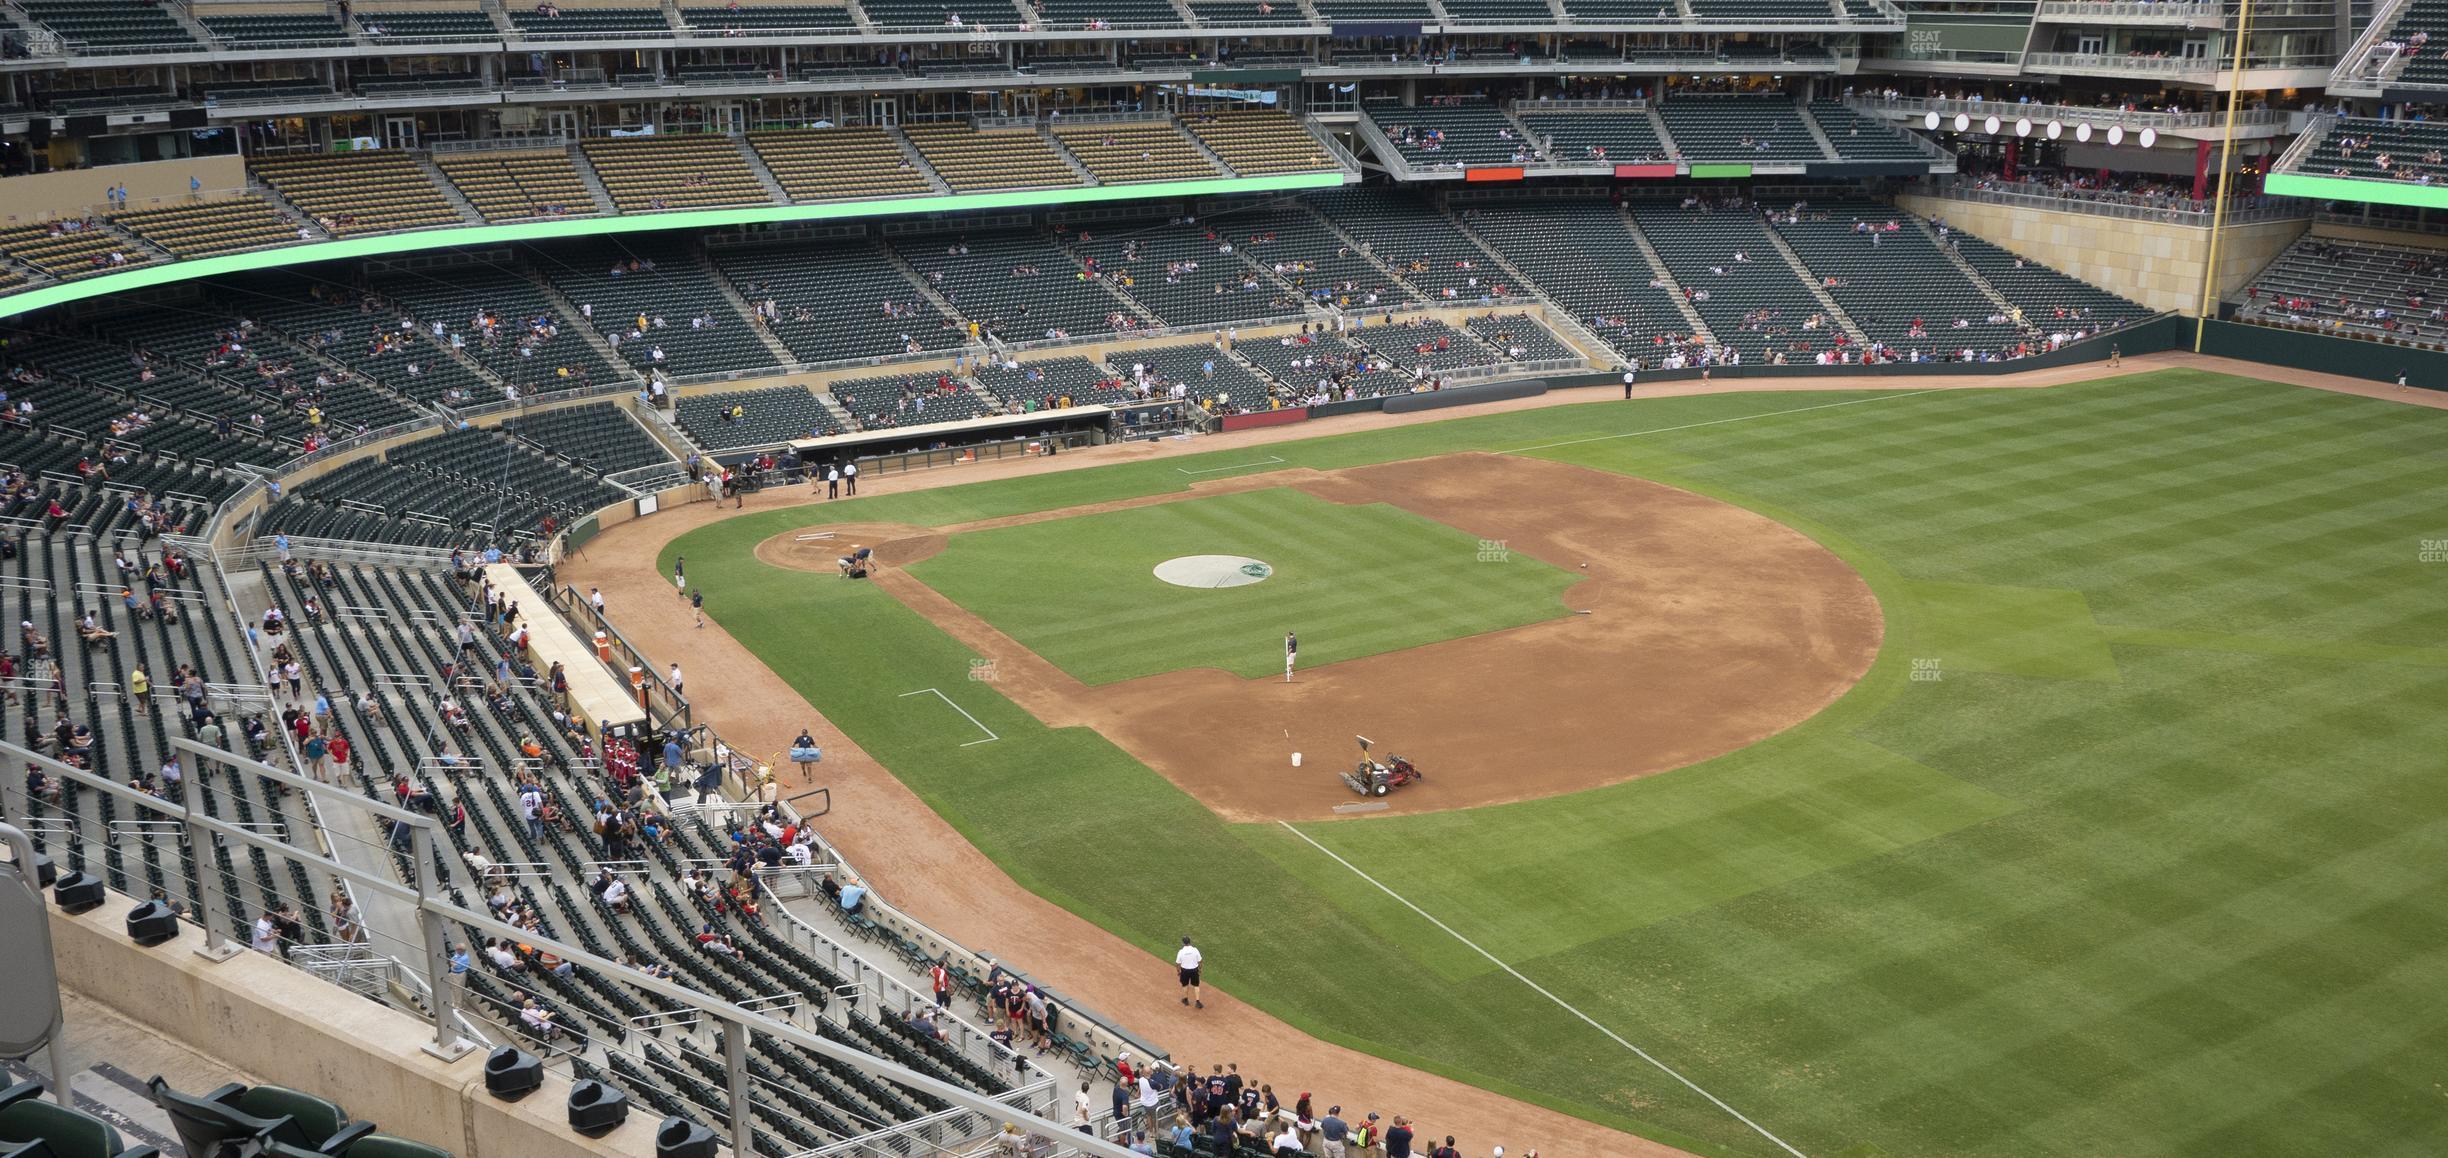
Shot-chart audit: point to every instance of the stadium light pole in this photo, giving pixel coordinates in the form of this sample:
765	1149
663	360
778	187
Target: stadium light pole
2218	203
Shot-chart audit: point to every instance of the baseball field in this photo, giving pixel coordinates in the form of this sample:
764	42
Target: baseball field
1949	772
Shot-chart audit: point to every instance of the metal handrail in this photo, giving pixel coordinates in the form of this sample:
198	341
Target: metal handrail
438	915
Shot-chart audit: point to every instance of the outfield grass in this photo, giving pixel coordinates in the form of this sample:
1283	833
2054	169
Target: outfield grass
2153	864
1354	580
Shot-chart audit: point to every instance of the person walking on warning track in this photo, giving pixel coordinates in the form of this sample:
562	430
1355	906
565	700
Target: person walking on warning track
850	479
1631	374
1186	967
680	575
832	482
697	603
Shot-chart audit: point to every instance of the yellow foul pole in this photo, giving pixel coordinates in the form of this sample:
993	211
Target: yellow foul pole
2226	170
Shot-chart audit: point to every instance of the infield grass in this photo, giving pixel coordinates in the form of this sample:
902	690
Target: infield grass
2153	859
1352	580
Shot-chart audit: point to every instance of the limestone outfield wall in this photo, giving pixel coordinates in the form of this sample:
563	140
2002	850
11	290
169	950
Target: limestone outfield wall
2157	264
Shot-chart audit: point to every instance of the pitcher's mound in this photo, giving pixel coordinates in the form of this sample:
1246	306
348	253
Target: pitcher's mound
1209	571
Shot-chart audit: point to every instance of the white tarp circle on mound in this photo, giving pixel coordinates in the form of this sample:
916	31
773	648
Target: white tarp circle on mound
1213	571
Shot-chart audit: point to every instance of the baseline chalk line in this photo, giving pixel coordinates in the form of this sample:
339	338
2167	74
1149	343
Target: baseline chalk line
1270	460
1720	421
938	694
1541	990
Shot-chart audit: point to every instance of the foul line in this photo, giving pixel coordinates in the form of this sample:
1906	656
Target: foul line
990	735
1721	421
1542	991
1270	460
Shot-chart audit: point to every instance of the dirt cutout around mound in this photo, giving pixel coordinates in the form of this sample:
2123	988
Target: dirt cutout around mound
1698	628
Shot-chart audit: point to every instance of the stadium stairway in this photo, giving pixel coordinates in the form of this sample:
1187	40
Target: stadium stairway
739	305
1957	260
1817	131
449	189
1827	301
593	181
1079	168
918	161
1640	241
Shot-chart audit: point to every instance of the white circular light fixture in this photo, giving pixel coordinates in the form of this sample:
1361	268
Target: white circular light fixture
1930	121
2023	126
2054	129
2150	137
2082	132
2116	134
1990	126
1962	122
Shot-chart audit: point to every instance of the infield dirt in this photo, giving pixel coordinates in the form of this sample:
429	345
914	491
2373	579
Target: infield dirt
1708	628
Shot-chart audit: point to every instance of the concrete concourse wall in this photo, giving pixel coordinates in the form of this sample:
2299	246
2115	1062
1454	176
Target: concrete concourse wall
38	197
290	1028
2155	263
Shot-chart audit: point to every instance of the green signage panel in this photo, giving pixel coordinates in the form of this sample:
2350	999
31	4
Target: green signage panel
2352	189
1726	169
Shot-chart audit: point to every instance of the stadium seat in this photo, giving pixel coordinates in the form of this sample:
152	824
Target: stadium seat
33	1127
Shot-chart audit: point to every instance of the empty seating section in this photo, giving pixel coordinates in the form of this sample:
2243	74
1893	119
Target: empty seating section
678	172
2049	300
1580	252
1711	127
1185	274
467	23
2334	283
1614	137
1107	14
1860	138
728	421
298	319
363	192
664	311
1296	246
288	28
1363	11
970	160
1499	12
1016	284
501	321
116	24
908	400
1865	269
1259	142
1136	151
940	13
572	21
1247	13
1409	235
836	300
768	17
467	487
838	164
1051	384
512	186
1426	344
1624	11
2378	150
1521	338
71	249
1764	11
597	438
1757	307
1449	134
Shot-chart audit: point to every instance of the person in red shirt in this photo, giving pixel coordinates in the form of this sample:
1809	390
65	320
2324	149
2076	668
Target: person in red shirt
942	980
